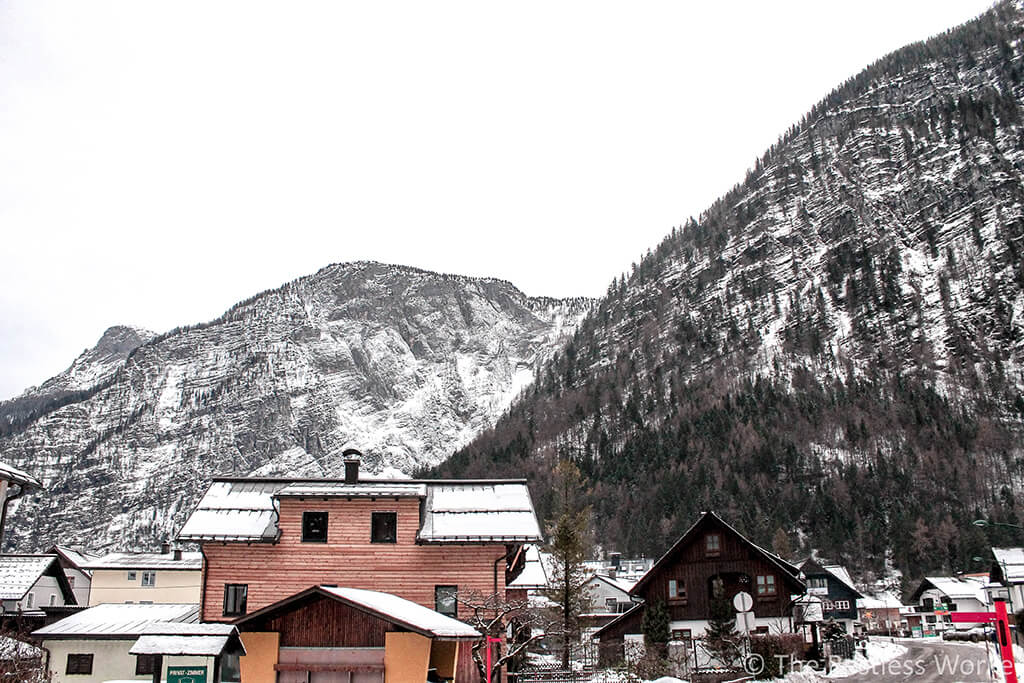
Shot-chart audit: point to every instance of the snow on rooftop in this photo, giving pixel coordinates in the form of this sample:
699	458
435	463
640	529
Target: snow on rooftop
535	573
880	601
959	588
383	489
16	476
18	573
244	510
189	561
479	511
839	571
112	620
210	646
79	558
1011	560
402	610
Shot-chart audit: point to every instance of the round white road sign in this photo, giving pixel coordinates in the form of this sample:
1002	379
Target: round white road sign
743	602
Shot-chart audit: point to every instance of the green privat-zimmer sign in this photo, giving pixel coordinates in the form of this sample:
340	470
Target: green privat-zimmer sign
186	674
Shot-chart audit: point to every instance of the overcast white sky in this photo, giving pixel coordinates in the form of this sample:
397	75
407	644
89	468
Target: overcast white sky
161	161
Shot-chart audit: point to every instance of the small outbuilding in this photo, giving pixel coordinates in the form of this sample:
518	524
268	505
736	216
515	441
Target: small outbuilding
363	636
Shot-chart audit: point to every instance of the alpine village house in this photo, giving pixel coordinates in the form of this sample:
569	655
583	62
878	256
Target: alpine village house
332	579
711	561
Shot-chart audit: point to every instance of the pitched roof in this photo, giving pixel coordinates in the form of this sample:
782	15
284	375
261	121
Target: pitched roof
118	621
235	510
838	572
615	582
789	571
386	606
467	511
16	476
189	561
535	570
18	573
182	638
1010	561
953	587
76	558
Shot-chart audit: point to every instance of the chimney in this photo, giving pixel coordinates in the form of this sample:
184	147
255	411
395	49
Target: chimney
351	456
177	554
165	548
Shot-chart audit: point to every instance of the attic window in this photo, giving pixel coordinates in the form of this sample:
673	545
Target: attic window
383	527
712	545
677	591
817	582
314	527
766	584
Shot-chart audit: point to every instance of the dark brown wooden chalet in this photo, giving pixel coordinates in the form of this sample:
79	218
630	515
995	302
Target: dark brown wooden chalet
711	558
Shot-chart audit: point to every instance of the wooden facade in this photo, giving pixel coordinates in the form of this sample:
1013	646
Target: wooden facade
274	571
317	621
710	560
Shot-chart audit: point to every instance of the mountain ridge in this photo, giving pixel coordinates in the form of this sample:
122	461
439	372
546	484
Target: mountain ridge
400	362
853	307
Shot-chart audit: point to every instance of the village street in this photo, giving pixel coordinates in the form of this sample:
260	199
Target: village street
930	661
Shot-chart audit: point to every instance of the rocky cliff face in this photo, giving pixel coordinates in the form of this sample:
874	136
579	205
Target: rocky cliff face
836	347
405	365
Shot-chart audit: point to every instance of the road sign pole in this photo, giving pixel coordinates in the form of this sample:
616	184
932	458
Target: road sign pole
1005	642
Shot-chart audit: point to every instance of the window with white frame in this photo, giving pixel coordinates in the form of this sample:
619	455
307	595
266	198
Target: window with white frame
149	579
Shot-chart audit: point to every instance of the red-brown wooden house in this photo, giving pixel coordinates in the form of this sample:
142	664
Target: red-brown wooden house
265	540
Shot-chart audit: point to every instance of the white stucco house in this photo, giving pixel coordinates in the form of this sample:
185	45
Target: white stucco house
28	583
122	642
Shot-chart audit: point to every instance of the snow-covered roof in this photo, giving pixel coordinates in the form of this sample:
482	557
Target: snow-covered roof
210	646
18	573
238	510
840	573
16	476
880	601
495	511
410	613
392	608
188	561
118	621
535	570
79	558
623	585
176	638
453	511
363	490
955	588
1011	563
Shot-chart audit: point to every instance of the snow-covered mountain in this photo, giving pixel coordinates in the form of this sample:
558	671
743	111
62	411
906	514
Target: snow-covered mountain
835	348
404	364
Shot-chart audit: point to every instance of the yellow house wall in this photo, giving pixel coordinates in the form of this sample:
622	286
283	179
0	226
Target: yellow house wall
113	586
260	657
406	658
444	657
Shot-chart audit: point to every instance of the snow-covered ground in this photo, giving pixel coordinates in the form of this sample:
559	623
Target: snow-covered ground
877	652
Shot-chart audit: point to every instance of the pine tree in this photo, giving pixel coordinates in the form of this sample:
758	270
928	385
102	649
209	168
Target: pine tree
656	624
721	633
569	545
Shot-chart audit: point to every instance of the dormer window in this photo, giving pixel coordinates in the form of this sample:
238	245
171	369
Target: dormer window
383	527
712	545
314	527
